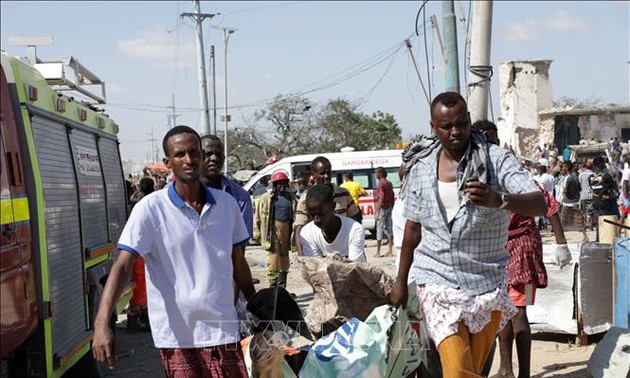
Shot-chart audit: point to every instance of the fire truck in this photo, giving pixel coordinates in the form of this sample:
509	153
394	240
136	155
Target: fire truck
63	207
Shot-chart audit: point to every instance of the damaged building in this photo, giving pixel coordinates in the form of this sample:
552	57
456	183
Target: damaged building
529	120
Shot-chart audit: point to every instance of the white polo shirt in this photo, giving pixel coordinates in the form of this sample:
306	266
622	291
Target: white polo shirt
350	240
188	262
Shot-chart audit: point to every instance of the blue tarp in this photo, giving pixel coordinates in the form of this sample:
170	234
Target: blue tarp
622	289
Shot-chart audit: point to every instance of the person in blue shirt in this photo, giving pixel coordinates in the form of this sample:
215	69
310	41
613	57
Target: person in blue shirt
213	177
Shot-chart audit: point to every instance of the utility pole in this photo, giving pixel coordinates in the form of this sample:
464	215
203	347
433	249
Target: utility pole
450	43
227	32
415	65
480	68
172	118
198	17
214	92
436	29
154	150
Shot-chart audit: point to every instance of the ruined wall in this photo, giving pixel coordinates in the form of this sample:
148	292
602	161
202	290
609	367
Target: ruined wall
603	126
525	89
547	130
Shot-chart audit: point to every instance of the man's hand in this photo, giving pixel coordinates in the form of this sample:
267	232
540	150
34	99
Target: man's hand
399	293
482	194
104	344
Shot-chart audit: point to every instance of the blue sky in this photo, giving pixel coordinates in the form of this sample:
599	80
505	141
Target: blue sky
145	53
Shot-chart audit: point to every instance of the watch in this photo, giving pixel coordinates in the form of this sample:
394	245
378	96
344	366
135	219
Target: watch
505	200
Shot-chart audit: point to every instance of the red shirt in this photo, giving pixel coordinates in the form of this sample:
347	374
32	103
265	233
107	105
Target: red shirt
385	190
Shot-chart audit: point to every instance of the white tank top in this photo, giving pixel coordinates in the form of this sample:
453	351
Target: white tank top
447	195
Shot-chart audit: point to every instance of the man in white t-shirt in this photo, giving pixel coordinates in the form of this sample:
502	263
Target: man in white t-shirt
548	183
329	233
189	236
544	178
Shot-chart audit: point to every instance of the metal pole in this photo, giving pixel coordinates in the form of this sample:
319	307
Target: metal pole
480	68
415	65
226	37
450	43
214	92
201	62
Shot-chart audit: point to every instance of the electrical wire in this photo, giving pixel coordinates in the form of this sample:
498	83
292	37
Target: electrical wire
466	43
367	96
418	16
426	52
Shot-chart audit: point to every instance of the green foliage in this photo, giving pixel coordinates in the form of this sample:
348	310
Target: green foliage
291	125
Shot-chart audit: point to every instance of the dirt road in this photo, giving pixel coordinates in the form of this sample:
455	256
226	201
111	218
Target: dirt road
552	355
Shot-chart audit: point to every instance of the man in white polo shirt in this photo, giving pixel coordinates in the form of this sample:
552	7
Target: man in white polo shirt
329	233
188	235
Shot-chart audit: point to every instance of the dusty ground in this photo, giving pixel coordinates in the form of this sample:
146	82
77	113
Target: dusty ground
552	355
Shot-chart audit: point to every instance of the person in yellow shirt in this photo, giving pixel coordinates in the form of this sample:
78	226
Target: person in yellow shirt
356	190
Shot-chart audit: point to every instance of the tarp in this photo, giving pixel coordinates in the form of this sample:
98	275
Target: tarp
342	290
553	308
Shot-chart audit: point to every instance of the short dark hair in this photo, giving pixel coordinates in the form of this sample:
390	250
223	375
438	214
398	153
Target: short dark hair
382	171
320	193
319	159
348	175
484	125
449	99
213	138
181	129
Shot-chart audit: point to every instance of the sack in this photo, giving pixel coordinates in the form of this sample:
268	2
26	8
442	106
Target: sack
342	290
382	346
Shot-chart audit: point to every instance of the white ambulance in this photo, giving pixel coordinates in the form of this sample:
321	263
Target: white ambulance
361	163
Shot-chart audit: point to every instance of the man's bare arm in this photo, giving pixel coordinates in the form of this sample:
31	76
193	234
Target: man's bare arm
242	273
411	239
103	344
298	242
529	204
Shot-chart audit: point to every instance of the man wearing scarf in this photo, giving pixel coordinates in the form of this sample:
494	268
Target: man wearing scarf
458	196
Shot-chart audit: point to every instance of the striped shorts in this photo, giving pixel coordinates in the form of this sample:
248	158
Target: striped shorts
221	361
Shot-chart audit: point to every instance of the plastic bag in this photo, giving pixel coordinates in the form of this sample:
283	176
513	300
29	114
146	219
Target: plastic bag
382	346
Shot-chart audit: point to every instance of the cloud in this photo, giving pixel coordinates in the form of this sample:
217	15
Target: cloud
160	47
559	22
525	30
563	21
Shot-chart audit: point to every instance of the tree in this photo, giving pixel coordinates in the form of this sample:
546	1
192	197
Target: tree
576	103
292	125
343	125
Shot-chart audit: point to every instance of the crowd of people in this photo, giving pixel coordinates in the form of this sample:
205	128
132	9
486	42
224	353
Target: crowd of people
464	227
586	188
